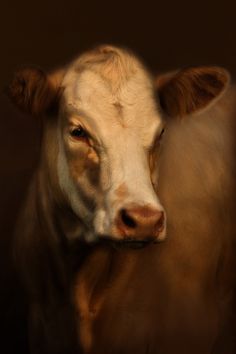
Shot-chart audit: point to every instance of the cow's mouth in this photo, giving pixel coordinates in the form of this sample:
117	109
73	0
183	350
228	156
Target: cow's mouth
127	243
135	244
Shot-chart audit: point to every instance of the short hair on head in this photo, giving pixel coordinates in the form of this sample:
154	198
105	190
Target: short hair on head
115	65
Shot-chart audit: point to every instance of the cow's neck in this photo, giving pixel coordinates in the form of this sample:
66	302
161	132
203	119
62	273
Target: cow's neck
45	226
63	226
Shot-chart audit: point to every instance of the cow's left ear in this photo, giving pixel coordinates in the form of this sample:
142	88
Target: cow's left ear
191	89
34	91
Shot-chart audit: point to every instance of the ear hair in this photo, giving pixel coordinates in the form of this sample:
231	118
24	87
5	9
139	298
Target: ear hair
35	92
191	89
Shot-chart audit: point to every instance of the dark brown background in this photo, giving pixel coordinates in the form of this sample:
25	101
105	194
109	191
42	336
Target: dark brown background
48	33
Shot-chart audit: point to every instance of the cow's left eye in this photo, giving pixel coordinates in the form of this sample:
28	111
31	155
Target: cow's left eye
78	133
161	134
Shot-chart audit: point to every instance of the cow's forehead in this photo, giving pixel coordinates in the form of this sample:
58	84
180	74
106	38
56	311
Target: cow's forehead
124	96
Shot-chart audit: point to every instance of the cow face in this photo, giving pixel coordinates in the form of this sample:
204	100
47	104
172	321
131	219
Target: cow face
109	131
109	124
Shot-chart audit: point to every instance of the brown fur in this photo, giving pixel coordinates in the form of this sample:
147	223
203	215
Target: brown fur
190	89
34	92
178	296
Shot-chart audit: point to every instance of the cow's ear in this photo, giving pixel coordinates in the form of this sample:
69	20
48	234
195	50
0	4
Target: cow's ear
191	89
35	92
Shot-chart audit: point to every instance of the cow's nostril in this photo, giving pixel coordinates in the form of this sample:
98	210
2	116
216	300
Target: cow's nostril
127	219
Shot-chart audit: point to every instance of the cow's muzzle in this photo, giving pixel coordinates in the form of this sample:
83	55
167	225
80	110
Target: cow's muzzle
136	223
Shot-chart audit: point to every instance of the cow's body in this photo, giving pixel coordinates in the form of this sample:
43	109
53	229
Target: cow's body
178	296
107	298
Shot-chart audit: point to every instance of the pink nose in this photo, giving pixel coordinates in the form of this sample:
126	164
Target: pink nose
140	223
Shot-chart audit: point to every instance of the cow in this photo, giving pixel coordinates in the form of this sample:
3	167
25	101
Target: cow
125	242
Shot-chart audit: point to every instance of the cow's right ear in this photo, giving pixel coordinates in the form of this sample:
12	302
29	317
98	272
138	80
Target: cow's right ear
35	92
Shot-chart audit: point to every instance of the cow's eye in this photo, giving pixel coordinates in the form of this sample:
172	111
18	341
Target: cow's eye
161	134
78	133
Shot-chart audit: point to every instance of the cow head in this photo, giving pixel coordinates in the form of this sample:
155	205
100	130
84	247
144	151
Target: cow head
108	130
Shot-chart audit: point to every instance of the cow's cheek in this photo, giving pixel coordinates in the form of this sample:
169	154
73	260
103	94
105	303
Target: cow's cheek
85	171
92	167
77	169
76	159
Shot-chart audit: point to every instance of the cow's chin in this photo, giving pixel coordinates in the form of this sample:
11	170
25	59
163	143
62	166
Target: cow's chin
122	241
135	244
135	241
91	237
131	243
